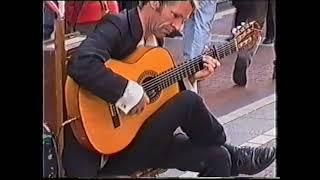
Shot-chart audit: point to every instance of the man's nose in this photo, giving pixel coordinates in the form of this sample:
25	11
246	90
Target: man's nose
178	25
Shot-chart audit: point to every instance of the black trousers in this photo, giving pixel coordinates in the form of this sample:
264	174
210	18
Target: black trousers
271	19
128	4
156	146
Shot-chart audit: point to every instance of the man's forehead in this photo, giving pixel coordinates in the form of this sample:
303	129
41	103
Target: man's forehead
183	8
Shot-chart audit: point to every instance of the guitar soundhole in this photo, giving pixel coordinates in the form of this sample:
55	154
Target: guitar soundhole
151	90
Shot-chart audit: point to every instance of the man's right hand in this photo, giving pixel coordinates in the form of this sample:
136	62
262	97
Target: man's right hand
137	109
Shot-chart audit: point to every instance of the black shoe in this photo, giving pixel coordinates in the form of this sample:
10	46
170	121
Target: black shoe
240	72
250	160
268	41
274	75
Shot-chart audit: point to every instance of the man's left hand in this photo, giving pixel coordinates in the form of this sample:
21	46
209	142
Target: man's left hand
210	64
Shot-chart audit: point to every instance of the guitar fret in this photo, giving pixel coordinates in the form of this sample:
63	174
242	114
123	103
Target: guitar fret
221	55
194	68
185	73
189	70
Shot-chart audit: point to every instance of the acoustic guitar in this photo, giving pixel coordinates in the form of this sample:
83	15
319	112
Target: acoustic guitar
99	125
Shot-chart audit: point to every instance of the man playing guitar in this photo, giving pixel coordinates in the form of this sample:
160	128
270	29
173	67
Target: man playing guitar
203	149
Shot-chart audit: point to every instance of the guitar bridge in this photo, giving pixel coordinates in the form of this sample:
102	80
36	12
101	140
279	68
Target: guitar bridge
114	116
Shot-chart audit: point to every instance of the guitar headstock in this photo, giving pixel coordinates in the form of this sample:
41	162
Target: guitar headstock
247	36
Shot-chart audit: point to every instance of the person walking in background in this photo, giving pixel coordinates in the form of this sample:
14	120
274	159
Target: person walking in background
271	30
197	29
270	22
247	11
48	20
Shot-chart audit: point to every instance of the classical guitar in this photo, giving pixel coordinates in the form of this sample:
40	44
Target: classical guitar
100	126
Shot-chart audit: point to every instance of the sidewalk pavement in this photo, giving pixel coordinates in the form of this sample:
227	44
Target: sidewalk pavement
266	138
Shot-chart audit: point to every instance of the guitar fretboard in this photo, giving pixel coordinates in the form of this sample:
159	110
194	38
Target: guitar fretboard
188	68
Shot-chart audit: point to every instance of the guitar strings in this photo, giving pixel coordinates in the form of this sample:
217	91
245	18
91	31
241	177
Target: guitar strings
163	82
190	64
150	85
183	65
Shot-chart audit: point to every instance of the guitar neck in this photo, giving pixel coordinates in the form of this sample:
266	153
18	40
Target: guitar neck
190	67
225	50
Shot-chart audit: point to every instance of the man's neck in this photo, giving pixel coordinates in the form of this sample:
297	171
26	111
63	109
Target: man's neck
145	18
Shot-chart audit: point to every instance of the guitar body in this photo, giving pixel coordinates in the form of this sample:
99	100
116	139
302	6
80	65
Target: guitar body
95	127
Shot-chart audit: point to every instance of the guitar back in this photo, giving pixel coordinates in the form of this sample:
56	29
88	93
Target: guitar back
100	126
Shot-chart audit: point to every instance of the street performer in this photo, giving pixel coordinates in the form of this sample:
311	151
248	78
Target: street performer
202	148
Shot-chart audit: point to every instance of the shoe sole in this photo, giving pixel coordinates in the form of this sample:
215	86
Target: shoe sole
240	73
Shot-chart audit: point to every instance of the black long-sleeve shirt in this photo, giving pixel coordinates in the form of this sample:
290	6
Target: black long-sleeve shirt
116	36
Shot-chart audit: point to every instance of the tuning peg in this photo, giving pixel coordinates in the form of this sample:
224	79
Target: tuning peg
238	27
205	49
243	23
234	30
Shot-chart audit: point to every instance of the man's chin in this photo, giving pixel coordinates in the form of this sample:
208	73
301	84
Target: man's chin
160	35
174	34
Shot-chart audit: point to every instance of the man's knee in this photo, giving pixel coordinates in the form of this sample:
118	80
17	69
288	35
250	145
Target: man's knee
189	96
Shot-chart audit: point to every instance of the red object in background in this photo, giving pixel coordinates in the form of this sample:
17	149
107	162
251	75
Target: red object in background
84	12
113	7
92	12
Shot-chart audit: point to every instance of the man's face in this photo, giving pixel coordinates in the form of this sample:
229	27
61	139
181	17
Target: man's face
171	18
